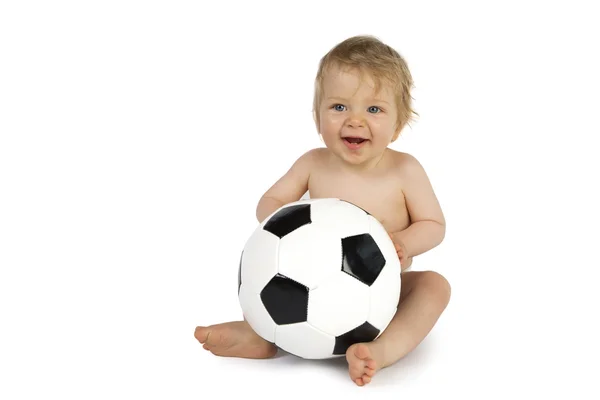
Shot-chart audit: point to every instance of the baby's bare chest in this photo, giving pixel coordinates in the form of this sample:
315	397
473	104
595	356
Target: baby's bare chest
381	196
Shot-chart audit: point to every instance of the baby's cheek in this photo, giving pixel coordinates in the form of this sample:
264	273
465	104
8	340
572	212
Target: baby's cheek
330	127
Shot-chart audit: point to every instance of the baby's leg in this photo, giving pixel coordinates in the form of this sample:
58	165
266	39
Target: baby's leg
234	339
424	296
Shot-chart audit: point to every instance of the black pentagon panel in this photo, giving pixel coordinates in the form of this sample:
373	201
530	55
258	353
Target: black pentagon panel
366	212
362	258
288	219
362	334
286	300
240	272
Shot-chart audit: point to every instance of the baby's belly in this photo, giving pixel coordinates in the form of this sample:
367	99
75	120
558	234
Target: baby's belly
392	215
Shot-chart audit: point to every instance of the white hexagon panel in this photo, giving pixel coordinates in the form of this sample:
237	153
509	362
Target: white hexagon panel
310	254
305	341
259	259
338	304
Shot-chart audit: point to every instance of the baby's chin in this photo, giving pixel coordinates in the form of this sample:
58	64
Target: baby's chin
354	159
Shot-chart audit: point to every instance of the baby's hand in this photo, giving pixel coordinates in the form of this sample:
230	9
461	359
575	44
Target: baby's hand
400	249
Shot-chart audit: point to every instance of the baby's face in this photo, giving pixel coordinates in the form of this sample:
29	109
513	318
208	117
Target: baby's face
356	123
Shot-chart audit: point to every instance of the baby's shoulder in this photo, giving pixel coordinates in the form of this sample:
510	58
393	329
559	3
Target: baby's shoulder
314	156
403	163
318	152
307	161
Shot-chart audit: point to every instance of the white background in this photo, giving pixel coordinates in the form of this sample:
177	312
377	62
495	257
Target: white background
137	137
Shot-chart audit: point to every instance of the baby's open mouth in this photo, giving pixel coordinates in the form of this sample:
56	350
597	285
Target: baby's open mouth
354	140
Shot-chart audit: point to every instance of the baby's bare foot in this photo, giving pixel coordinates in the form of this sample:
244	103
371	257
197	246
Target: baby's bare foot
362	362
234	339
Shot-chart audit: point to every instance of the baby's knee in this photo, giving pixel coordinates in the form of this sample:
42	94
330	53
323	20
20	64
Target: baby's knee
437	285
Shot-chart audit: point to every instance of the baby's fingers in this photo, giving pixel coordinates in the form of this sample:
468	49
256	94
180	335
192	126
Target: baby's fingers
401	255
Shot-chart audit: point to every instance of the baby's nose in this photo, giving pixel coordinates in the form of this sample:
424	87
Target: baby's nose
356	121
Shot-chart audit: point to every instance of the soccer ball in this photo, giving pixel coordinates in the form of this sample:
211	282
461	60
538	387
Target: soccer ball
317	276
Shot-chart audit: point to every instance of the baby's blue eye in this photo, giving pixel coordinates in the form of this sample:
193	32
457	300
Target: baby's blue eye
338	107
373	109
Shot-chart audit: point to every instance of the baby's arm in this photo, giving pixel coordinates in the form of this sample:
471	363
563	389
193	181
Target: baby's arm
428	225
290	187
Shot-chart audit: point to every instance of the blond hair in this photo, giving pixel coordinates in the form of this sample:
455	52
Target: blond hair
382	63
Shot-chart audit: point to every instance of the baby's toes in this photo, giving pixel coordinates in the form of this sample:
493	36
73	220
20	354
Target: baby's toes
201	333
356	370
371	364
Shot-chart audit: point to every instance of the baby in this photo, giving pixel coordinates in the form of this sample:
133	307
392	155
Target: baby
362	102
